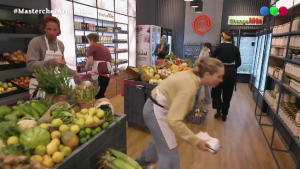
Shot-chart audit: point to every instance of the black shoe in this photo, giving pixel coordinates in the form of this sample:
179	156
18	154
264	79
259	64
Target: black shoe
224	118
218	114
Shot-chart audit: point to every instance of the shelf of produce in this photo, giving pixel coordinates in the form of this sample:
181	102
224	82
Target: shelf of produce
281	34
134	100
13	99
87	155
293	61
12	35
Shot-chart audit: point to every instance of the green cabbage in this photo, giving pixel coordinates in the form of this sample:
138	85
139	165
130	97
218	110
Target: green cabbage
35	136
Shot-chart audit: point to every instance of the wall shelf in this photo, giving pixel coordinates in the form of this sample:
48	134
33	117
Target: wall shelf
278	123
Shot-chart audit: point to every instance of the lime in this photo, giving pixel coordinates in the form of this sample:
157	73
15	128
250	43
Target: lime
81	127
88	131
105	125
87	137
83	140
82	134
94	132
98	129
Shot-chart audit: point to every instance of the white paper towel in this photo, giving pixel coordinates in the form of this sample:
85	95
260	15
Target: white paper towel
213	142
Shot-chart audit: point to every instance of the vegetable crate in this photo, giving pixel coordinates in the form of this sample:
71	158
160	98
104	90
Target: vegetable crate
197	116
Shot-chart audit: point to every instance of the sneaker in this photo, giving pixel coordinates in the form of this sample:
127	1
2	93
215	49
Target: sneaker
205	101
218	115
224	118
148	167
144	165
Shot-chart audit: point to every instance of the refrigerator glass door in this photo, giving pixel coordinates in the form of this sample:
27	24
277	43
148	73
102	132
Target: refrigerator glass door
257	56
170	43
254	56
246	51
265	64
259	66
153	43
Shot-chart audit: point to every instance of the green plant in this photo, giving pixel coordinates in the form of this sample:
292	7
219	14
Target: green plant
50	81
86	94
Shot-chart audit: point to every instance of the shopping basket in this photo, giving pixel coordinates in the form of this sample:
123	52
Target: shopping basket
198	116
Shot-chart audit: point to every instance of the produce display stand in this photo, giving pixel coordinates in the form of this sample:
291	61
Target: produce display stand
88	155
134	100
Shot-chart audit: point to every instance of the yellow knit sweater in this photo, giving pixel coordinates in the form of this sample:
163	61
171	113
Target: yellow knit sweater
180	89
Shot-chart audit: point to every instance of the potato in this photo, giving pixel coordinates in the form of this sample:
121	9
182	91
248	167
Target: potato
7	167
9	159
26	166
15	53
19	56
17	166
19	52
2	156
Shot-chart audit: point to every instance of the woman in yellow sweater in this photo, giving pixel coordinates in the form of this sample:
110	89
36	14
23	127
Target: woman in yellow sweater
166	109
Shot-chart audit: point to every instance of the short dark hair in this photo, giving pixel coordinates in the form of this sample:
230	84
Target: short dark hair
209	46
93	36
42	27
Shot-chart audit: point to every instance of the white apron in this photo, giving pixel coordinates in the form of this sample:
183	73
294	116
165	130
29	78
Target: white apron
95	69
49	55
161	117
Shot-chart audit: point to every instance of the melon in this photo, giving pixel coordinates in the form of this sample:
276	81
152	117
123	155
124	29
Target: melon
69	139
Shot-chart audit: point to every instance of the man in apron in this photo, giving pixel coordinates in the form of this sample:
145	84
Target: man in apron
99	58
46	51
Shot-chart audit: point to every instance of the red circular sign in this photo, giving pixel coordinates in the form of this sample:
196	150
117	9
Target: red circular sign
202	24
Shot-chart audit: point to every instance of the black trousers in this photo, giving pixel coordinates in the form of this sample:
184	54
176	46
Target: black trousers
103	83
222	94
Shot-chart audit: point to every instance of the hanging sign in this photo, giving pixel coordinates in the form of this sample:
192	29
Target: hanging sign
106	15
202	24
245	20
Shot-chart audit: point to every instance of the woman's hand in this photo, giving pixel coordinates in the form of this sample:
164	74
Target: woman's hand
59	61
202	145
159	50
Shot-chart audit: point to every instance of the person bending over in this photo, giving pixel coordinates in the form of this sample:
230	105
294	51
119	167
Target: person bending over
168	106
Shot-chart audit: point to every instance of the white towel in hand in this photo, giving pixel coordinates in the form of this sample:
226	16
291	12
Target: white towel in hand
213	142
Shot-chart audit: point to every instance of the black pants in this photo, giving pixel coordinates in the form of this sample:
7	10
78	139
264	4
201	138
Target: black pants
103	83
222	95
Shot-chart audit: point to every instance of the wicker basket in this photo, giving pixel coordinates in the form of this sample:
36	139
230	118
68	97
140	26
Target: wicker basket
133	73
102	120
47	117
192	118
56	99
86	105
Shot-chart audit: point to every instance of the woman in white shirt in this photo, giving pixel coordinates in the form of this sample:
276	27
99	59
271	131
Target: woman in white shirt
205	53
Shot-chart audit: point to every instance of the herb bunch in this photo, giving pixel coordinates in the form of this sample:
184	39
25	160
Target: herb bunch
51	81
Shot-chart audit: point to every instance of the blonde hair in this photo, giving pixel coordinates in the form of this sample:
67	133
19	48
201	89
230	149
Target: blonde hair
210	65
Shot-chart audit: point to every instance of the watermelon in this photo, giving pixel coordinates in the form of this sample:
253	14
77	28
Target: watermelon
35	136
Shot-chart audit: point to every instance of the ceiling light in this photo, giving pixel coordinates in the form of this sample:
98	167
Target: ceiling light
194	4
199	9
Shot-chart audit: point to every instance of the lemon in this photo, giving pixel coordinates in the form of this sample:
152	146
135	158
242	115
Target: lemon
48	163
63	128
56	123
12	140
66	150
60	147
38	158
44	126
75	129
40	150
55	134
55	141
58	157
51	148
46	157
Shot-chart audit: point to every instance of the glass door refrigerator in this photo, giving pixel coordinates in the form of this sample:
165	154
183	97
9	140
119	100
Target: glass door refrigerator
254	61
246	47
148	36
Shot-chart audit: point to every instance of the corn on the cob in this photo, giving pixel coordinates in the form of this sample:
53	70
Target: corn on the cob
125	158
121	164
110	165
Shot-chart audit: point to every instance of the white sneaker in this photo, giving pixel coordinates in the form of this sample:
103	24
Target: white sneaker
148	167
